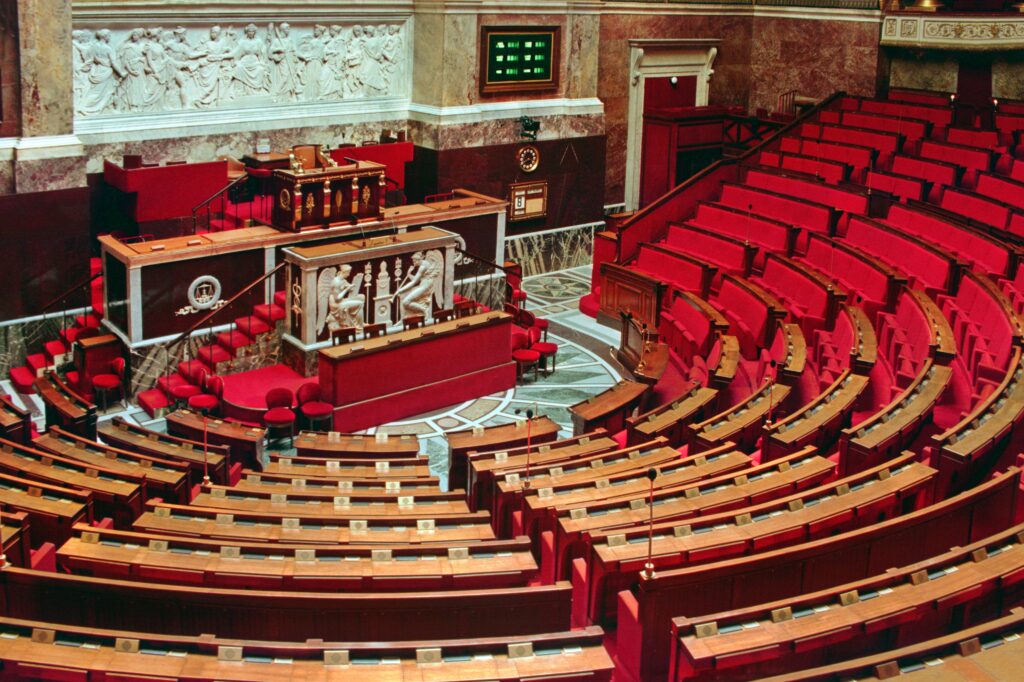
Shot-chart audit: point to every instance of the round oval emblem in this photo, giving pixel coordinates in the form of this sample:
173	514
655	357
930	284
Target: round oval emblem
204	292
285	198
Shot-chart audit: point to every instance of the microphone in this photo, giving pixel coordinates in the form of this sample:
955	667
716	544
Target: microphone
648	571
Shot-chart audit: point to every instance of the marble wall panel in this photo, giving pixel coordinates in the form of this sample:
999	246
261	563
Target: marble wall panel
44	30
812	57
1008	76
10	70
924	71
49	174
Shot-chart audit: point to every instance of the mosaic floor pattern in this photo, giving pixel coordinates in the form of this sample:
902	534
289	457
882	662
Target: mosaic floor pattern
585	367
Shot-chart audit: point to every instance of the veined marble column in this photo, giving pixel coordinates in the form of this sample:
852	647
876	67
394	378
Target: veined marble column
47	155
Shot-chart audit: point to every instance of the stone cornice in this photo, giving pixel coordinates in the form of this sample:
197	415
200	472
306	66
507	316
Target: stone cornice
953	32
115	12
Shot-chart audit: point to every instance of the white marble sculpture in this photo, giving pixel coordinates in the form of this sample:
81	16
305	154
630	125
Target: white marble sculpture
155	69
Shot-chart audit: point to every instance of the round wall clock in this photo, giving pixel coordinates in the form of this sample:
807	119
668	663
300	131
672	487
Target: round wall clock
528	158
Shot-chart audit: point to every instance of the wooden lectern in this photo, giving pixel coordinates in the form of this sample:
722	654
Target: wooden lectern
315	192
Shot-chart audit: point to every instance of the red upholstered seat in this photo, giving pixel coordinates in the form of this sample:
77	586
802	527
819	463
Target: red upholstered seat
524	356
208	402
311	406
104	383
279	414
279	417
545	349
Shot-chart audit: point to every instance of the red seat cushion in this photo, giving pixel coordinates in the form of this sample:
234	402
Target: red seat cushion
203	401
540	323
316	409
545	348
106	382
183	391
518	295
279	416
525	356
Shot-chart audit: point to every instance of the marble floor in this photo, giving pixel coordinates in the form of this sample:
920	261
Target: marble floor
586	366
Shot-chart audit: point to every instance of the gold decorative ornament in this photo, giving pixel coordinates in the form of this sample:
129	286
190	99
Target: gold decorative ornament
285	199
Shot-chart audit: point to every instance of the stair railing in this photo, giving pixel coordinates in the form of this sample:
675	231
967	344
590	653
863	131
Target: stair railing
181	341
205	207
481	285
74	288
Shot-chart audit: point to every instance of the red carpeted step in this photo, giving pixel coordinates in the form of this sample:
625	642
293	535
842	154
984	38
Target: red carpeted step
269	313
173	383
189	369
37	363
251	326
233	340
71	379
69	335
152	401
212	355
54	350
89	320
95	266
280	298
23	378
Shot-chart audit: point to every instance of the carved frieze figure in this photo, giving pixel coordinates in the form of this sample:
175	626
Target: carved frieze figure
424	284
250	70
133	90
153	69
354	55
311	54
372	73
339	303
101	75
332	75
282	69
213	74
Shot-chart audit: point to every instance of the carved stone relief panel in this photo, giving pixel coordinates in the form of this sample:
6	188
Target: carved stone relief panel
157	69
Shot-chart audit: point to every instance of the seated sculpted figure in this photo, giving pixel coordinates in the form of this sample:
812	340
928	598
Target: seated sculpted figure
423	284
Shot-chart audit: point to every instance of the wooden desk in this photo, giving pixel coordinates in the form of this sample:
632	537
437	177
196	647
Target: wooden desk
95	653
724	370
176	560
743	423
640	350
921	598
295	616
64	407
15	422
778	573
576	525
383	469
334	530
608	409
371	489
615	563
486	468
491	439
627	481
943	342
892	428
794	350
819	422
14	532
391	377
316	444
163	477
114	494
52	510
1000	662
228	499
864	349
267	161
127	436
670	420
245	443
94	355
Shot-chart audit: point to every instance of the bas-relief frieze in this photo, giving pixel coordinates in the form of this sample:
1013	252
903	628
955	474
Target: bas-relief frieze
155	69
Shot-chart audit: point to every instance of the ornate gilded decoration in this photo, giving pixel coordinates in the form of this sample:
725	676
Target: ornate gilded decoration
310	203
365	198
285	199
954	33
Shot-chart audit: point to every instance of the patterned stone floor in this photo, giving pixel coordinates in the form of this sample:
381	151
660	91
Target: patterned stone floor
585	367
